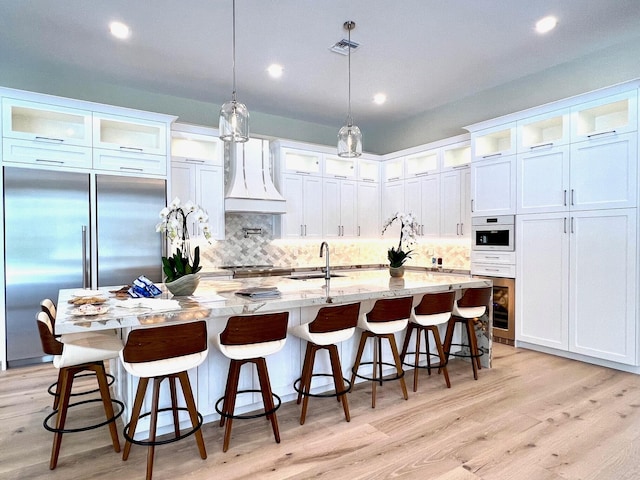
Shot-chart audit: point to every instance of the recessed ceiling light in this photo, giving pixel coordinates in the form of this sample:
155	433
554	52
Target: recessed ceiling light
275	70
379	98
546	24
119	30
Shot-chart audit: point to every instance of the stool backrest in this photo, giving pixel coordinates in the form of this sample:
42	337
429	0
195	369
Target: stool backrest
475	297
434	303
248	329
390	309
159	343
49	308
50	345
338	317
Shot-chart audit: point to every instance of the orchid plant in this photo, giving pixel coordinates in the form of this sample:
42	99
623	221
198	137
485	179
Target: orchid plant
173	222
408	232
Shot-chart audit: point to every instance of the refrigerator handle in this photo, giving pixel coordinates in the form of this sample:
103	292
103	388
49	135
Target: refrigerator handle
85	270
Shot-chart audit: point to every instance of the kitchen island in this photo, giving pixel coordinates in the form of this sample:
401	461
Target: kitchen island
216	300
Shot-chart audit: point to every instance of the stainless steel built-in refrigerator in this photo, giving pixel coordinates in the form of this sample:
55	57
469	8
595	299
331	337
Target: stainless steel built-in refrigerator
69	230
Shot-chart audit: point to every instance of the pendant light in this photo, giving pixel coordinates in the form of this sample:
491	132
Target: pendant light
349	136
234	116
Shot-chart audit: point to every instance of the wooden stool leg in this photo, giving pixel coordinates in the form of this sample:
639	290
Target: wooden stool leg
304	385
443	358
65	393
448	337
475	343
416	360
405	344
135	414
309	360
356	364
396	357
153	426
229	403
174	405
193	412
267	395
101	376
471	339
374	374
56	397
338	381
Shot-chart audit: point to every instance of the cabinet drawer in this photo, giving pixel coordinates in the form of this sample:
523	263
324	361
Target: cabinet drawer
40	153
129	134
133	163
502	258
493	270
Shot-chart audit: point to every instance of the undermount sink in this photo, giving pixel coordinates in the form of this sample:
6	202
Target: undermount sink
310	276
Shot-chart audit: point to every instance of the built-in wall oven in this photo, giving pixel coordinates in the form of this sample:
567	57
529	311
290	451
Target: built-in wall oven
493	256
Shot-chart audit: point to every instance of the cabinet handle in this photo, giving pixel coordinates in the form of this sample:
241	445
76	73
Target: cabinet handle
542	145
302	230
193	160
565	224
492	155
421	174
367	180
461	228
392	179
572	197
45	160
358	230
340	176
492	269
572	225
456	167
305	230
472	204
302	173
492	257
609	132
339	230
49	139
132	169
565	198
131	149
457	229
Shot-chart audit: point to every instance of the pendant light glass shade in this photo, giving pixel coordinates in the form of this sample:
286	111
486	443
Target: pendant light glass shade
234	116
349	136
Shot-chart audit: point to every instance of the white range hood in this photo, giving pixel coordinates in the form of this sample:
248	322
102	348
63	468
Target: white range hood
250	188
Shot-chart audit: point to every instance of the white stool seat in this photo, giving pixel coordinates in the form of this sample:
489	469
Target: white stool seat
324	338
468	312
87	348
430	320
382	328
167	366
253	350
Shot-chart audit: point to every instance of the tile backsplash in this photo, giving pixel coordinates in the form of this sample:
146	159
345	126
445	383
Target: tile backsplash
251	240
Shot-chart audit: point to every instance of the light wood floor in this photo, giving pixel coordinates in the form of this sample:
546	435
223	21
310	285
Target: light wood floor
531	417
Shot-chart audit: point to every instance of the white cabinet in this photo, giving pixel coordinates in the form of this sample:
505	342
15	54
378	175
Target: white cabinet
393	169
577	284
543	180
368	206
493	186
336	167
368	170
455	156
302	162
47	135
422	199
304	206
604	172
615	114
493	142
455	188
197	173
543	131
422	163
339	213
392	203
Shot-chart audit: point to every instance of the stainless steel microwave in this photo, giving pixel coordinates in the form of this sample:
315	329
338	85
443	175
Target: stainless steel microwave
493	233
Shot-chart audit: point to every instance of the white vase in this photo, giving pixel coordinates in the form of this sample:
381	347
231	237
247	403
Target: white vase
184	286
396	271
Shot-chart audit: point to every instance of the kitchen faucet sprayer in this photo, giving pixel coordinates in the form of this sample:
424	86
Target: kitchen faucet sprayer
325	245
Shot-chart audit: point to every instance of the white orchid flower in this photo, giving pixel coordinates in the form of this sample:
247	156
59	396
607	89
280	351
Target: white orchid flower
189	207
175	203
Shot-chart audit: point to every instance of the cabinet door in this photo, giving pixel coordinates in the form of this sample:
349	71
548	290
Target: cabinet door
430	206
293	220
210	195
125	162
131	135
542	310
348	208
493	187
312	207
604	286
331	209
450	188
543	180
604	172
183	186
412	199
39	153
465	202
368	210
392	203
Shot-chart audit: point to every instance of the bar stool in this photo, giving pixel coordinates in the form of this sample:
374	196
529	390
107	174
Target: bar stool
249	339
332	325
388	316
466	311
433	310
73	354
161	353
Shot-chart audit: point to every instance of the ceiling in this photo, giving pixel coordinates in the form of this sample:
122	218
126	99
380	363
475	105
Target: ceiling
422	53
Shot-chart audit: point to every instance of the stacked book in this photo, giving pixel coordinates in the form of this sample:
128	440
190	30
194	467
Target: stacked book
259	292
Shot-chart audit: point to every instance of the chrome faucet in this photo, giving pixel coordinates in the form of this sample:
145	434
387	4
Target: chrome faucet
327	273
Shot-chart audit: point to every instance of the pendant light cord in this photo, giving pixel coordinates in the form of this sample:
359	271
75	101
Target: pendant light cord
233	50
349	26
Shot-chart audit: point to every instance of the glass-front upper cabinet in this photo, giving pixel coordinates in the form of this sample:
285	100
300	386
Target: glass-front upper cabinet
543	131
301	161
338	167
368	170
200	145
40	122
423	163
604	117
129	135
456	156
493	142
393	169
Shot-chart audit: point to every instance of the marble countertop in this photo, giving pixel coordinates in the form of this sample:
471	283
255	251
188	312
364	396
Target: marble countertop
217	298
